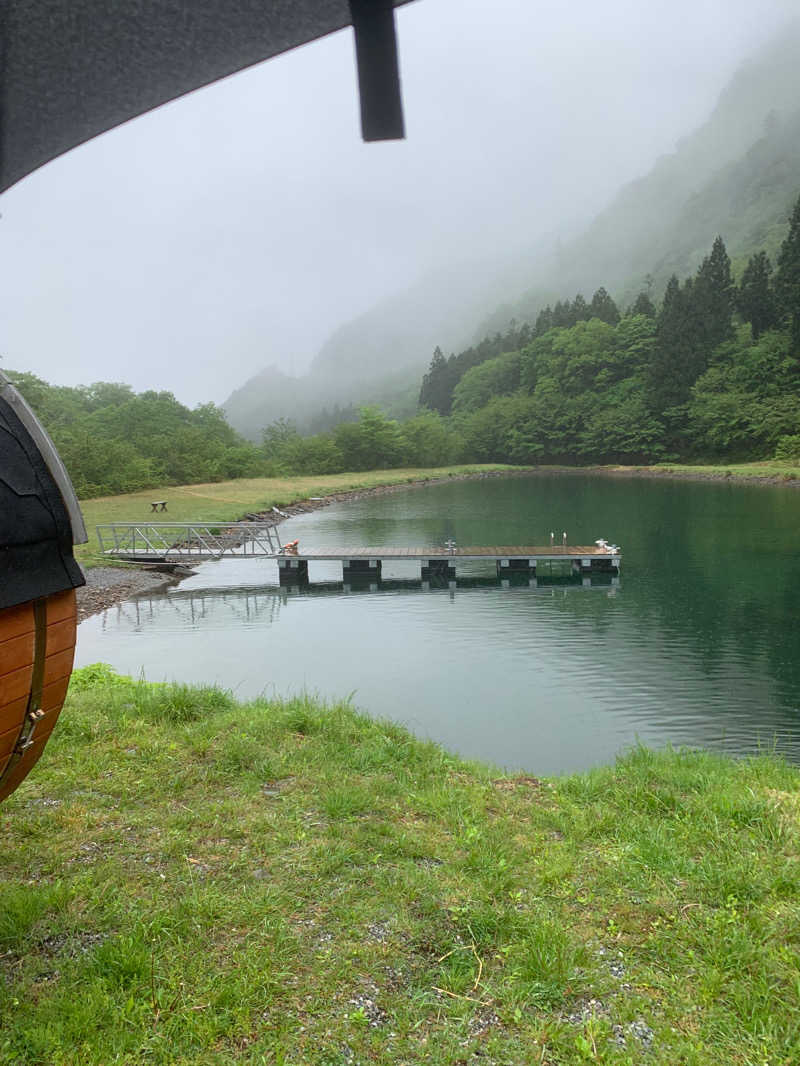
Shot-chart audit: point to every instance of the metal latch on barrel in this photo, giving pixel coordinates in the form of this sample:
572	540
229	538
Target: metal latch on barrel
32	719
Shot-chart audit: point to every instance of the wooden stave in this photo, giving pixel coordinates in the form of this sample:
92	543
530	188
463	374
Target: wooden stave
15	684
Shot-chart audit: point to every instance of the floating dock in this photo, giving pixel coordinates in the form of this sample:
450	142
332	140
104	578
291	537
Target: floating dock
175	543
435	562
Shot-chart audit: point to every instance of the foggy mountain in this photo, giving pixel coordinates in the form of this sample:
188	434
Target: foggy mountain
736	175
379	355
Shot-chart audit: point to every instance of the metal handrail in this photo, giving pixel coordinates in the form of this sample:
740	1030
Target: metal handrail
210	539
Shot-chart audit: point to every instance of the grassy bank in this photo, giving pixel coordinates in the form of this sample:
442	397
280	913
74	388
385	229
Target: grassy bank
189	880
766	469
771	470
228	500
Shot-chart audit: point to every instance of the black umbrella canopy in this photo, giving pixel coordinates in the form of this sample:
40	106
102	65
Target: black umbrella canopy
71	69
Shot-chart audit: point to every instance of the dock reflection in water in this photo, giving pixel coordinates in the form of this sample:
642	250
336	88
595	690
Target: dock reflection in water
246	604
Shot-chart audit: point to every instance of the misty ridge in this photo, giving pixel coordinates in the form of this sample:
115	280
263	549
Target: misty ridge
736	175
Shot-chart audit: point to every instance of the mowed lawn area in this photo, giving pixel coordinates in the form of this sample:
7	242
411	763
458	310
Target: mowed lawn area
225	501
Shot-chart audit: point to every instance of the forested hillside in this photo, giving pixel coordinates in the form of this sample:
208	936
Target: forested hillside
711	373
113	440
714	373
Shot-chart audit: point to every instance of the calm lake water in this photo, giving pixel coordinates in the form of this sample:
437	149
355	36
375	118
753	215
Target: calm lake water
698	643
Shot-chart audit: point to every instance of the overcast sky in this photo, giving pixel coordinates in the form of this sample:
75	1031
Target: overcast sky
240	225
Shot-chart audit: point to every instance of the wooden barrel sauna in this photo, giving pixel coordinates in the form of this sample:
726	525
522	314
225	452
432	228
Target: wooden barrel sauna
37	644
40	522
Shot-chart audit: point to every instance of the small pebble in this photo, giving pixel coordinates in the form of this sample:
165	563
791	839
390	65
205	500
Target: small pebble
375	1015
643	1033
378	932
590	1008
482	1022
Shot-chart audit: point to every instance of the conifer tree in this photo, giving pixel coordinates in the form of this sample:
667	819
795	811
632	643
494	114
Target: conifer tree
544	321
604	308
579	310
434	391
712	298
787	278
754	298
674	365
643	305
516	336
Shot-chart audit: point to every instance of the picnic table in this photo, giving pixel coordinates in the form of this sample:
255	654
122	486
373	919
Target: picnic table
158	505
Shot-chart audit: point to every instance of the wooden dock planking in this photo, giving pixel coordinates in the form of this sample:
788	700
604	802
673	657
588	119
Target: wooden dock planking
386	552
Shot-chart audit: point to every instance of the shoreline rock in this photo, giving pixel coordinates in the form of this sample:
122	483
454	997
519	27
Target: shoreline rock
107	586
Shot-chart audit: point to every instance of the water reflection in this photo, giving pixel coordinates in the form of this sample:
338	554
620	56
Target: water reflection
246	604
695	643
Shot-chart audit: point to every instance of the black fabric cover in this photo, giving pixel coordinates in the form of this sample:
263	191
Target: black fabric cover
70	69
35	534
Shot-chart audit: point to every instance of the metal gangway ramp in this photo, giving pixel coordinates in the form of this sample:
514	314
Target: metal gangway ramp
173	542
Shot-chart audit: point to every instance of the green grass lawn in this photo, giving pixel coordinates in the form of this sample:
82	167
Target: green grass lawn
188	880
228	500
787	470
